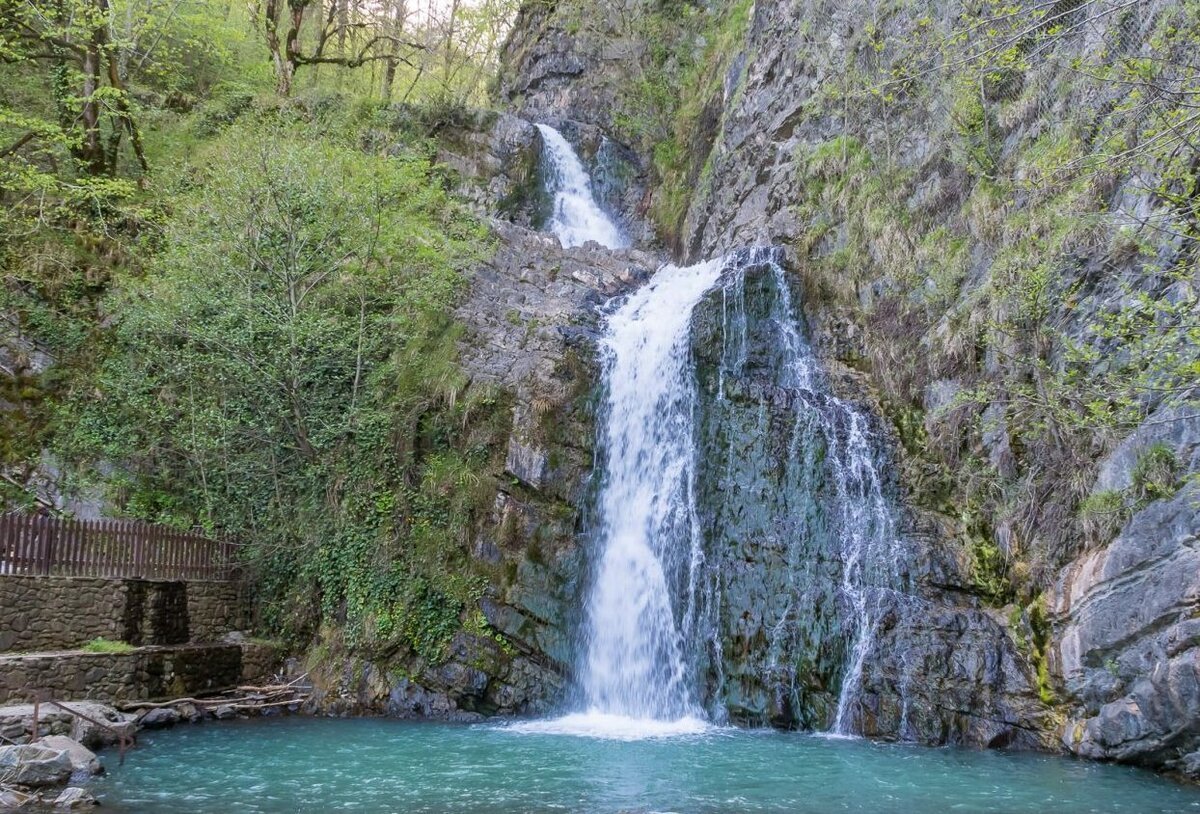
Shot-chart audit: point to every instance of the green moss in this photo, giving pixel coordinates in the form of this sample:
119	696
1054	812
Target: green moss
103	645
679	130
989	570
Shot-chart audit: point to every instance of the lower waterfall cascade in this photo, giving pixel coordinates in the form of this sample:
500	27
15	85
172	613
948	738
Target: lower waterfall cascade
658	611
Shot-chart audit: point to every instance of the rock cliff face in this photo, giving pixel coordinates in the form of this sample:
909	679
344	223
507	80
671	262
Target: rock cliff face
960	276
1128	642
960	280
529	320
774	520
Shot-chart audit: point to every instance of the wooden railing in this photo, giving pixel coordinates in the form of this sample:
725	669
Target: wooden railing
125	740
50	546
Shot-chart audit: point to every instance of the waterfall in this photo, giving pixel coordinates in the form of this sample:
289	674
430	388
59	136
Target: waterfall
576	217
694	495
635	664
869	545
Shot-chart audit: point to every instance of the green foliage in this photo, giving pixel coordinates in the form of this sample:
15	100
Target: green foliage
1030	627
1040	642
676	129
103	645
285	371
973	146
989	570
1001	268
233	311
1103	515
1155	476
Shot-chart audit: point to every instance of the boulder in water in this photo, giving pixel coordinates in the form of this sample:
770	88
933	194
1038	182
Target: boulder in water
75	797
83	760
160	718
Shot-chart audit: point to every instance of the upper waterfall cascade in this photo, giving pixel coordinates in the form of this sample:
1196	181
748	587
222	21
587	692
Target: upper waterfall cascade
576	217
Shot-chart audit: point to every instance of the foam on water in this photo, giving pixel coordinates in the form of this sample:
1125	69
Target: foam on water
606	726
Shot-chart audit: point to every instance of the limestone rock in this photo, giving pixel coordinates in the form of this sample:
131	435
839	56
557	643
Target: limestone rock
83	760
74	798
34	765
1129	650
160	718
16	723
12	798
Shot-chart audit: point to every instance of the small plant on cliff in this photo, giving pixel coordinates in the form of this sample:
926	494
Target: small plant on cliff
989	567
1102	515
1156	474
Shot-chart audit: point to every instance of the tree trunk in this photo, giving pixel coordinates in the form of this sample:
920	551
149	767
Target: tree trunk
92	152
281	60
395	28
283	76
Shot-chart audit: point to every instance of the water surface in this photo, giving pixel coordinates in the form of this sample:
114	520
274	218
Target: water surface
370	765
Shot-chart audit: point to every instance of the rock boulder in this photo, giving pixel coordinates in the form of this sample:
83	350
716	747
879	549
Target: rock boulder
83	760
34	765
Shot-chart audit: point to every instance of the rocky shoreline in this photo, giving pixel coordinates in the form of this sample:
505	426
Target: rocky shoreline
48	755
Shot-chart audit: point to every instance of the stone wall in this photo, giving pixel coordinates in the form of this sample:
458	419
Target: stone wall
61	613
216	608
147	673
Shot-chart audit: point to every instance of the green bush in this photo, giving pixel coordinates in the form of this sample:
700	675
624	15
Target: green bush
286	372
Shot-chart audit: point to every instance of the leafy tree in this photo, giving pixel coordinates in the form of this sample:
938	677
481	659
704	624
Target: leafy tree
283	24
73	39
272	368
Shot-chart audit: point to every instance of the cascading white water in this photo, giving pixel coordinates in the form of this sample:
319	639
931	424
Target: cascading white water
653	614
576	217
634	673
868	544
635	664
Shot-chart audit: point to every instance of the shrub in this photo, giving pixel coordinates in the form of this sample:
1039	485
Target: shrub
1156	474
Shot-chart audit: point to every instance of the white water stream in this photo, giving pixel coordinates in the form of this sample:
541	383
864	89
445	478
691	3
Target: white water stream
576	217
644	617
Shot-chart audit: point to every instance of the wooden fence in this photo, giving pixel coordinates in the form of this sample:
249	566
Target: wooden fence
50	546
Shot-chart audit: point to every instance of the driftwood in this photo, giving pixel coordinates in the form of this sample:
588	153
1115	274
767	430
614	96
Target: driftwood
288	702
248	697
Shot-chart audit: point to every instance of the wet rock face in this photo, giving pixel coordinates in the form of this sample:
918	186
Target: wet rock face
1129	640
765	507
940	670
566	72
951	674
551	73
530	318
497	160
